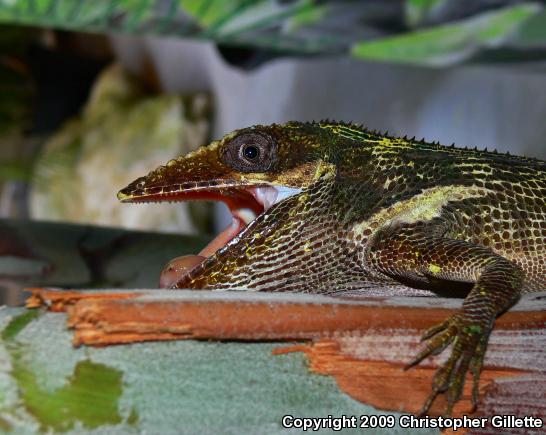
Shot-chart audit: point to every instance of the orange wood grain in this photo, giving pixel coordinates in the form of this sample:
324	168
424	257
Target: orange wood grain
385	385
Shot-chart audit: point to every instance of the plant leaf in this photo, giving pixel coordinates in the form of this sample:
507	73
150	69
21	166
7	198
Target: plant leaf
449	43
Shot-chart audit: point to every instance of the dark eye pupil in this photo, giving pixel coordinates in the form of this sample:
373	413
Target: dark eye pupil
251	152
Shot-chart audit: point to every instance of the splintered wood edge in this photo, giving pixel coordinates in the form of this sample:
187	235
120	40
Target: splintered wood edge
57	300
109	317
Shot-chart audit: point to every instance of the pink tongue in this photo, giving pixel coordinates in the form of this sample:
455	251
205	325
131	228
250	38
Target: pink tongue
180	266
224	237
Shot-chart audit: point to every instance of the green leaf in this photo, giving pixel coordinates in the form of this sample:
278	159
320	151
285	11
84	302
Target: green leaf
257	23
262	15
533	33
210	12
449	43
307	16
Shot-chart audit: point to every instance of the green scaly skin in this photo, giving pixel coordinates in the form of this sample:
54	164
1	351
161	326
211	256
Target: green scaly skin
373	212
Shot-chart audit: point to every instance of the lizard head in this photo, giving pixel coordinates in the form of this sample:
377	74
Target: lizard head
250	170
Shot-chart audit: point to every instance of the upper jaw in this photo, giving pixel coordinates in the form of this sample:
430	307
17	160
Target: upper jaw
138	191
239	196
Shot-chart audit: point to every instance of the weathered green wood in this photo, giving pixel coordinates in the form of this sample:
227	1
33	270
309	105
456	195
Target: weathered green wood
166	387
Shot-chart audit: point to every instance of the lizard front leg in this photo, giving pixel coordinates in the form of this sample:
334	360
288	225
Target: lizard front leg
412	253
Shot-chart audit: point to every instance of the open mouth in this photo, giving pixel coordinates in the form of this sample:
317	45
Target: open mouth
245	202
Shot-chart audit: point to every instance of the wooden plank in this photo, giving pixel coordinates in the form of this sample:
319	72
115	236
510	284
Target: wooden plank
362	343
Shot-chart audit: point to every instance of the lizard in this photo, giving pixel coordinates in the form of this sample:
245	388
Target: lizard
334	208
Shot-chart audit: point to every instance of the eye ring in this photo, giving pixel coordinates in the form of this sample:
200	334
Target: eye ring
251	152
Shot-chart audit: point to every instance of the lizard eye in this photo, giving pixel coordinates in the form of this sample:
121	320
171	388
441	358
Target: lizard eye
251	152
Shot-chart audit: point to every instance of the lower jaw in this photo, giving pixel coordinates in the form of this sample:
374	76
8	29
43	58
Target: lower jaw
243	214
179	267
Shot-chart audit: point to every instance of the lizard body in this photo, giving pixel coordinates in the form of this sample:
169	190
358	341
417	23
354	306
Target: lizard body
364	211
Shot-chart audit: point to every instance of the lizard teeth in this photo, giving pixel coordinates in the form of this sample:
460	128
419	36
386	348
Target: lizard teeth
269	195
245	214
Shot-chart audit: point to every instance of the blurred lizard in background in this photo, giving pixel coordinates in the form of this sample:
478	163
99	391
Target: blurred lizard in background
332	208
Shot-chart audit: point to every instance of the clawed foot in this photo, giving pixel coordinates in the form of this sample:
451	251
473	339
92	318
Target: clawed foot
469	343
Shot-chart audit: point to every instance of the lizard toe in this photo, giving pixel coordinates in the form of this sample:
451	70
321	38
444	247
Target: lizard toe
436	340
469	342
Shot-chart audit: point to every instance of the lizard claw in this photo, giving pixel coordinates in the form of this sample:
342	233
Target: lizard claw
469	342
430	332
476	366
437	339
